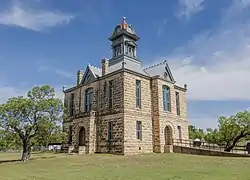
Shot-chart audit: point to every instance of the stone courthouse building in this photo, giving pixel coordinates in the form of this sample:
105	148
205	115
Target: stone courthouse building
123	107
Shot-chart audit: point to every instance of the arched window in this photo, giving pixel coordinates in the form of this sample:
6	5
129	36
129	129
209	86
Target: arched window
88	99
166	98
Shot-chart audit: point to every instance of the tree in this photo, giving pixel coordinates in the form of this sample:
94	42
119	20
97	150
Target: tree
49	132
212	136
195	133
27	115
9	140
231	130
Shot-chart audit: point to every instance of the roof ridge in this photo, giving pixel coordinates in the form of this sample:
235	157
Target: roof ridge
158	64
94	66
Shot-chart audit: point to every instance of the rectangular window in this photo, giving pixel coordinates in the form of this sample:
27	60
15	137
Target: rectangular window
104	89
111	92
166	98
71	106
139	130
88	99
110	131
70	135
138	94
179	132
177	96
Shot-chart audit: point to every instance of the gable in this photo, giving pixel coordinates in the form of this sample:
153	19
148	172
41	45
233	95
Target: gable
161	70
167	74
88	76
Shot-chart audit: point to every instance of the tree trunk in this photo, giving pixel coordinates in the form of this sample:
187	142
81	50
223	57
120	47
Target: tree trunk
26	150
237	138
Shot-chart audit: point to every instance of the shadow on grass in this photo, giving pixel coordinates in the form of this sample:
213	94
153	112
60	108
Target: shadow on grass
19	160
9	161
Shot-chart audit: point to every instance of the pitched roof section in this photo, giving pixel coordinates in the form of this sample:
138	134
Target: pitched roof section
91	74
96	71
162	70
129	65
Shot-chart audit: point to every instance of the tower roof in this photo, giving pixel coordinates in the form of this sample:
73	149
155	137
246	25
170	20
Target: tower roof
122	28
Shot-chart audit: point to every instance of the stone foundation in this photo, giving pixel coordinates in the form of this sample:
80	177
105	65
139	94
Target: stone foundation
168	149
82	150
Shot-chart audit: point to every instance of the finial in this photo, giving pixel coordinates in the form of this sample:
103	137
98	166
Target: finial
123	24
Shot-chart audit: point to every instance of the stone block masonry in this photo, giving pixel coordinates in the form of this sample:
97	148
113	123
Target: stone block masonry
132	114
158	127
119	109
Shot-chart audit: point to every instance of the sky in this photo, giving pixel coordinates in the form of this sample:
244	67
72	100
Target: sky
205	42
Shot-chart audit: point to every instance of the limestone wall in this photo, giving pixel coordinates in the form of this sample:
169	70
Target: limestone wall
165	118
116	144
100	96
124	114
88	124
155	114
97	126
132	145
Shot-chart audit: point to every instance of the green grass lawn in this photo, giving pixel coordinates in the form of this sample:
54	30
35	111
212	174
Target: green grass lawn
45	166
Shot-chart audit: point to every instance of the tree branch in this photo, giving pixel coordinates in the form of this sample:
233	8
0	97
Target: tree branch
32	135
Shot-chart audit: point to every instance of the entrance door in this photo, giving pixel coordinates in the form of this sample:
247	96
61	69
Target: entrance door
168	136
81	137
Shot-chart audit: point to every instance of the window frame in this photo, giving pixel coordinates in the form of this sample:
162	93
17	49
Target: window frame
88	99
166	98
179	132
111	94
177	100
139	130
72	104
110	131
138	94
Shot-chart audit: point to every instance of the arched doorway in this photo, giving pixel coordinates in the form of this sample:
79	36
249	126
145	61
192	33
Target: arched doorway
81	139
168	135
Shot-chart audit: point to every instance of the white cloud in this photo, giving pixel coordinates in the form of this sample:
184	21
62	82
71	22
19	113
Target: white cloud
216	64
204	121
161	28
7	92
36	20
64	74
59	72
187	8
210	120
